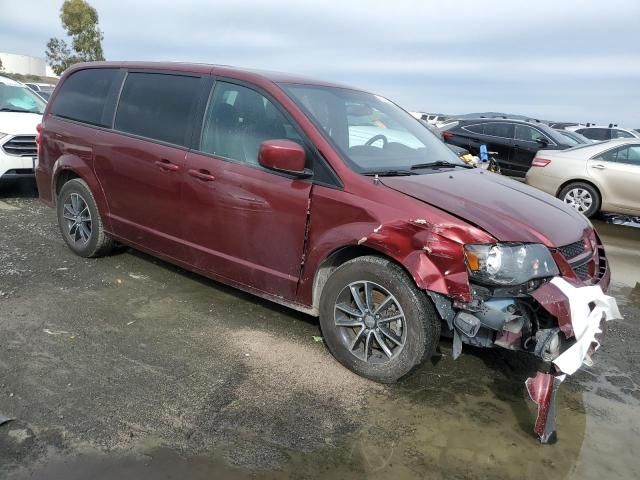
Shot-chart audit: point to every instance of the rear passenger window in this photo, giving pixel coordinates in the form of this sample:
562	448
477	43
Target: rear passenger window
614	155
83	96
504	130
157	106
629	155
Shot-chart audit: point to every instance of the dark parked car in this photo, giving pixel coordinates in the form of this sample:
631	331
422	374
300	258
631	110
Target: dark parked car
515	142
328	200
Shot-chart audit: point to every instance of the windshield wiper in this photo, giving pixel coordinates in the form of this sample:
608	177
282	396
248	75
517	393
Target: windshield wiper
391	173
439	163
5	109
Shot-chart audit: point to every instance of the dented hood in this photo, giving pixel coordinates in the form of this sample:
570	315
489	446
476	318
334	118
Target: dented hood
508	210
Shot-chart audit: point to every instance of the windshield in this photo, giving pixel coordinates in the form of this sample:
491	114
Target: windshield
373	134
16	98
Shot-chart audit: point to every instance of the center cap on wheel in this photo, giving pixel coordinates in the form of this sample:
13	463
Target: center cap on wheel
369	321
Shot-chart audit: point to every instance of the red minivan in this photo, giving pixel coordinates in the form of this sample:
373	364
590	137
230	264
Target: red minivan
327	199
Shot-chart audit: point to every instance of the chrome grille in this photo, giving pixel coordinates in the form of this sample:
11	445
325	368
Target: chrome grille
21	145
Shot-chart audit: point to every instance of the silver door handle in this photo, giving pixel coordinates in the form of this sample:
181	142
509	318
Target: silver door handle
599	167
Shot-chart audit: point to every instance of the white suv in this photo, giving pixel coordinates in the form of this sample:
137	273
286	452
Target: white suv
20	113
597	133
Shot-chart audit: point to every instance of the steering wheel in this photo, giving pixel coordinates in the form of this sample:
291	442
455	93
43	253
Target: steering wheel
375	138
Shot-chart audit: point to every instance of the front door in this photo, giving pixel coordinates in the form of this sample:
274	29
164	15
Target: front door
141	168
527	142
242	222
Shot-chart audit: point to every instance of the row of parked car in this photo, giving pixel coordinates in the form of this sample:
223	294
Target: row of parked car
590	168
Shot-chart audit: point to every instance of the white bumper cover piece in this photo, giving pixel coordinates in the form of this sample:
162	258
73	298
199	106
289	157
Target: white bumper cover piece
586	322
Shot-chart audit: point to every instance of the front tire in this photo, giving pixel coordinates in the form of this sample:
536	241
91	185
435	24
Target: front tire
80	222
582	197
375	320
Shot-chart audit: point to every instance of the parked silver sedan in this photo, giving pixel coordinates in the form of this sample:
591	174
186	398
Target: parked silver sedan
599	176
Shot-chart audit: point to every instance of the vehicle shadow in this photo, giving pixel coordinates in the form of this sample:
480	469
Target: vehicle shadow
507	369
18	188
220	287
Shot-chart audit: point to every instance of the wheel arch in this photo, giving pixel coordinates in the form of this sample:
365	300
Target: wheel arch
338	257
579	180
68	167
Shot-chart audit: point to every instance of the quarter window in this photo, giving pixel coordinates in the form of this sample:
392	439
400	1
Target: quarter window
83	96
238	120
157	106
504	130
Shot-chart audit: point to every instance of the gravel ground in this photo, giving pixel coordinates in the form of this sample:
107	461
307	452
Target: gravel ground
127	367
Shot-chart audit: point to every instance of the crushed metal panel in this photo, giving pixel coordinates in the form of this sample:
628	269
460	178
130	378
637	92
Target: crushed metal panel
554	301
543	389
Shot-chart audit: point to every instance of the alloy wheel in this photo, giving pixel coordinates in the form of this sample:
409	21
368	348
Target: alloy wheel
370	322
579	198
77	218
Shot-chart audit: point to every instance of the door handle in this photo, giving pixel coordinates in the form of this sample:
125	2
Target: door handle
167	166
599	167
203	175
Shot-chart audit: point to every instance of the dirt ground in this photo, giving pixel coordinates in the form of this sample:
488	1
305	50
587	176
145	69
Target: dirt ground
126	367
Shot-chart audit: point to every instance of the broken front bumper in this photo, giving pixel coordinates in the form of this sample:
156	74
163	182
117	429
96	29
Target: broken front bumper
563	333
588	309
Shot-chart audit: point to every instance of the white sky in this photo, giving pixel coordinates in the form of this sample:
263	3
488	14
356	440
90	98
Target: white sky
562	59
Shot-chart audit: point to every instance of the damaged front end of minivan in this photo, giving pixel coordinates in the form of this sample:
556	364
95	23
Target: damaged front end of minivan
545	301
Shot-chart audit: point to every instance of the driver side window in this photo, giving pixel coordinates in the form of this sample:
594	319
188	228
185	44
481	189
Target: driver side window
529	134
238	120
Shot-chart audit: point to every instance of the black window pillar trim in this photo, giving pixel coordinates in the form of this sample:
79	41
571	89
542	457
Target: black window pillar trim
205	93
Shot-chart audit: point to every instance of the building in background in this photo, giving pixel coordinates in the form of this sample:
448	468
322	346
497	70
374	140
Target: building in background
25	65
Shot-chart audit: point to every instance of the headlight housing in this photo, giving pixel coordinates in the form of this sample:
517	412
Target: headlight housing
509	263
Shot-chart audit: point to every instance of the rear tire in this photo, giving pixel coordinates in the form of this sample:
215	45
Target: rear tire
361	333
583	197
80	222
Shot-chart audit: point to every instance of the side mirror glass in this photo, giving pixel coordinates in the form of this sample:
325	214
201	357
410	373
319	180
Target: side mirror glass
283	156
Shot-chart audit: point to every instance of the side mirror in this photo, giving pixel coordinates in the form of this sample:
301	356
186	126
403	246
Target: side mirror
283	156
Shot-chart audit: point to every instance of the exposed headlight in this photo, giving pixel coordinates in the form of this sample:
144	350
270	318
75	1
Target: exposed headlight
508	263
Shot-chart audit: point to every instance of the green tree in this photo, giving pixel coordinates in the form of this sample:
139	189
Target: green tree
80	20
